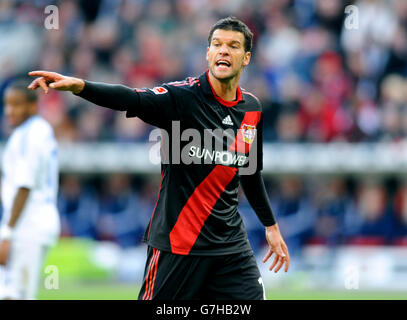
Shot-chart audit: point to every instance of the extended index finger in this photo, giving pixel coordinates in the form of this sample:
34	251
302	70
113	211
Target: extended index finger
48	75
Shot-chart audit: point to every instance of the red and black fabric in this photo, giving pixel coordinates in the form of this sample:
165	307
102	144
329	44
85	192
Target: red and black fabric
170	276
196	212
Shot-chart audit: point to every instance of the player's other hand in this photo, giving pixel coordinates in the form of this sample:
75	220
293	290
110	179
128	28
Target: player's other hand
4	251
56	81
277	246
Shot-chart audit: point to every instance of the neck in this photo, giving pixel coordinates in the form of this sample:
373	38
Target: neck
225	89
23	121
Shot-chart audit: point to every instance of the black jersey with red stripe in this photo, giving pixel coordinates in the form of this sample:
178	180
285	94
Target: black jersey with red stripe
197	207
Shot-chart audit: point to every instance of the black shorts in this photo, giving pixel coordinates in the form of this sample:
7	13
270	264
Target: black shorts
169	276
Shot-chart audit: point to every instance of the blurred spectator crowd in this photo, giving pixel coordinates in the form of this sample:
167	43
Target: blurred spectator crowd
331	211
317	80
310	210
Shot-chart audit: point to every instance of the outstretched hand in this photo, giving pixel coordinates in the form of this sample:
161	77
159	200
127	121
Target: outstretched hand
53	80
277	246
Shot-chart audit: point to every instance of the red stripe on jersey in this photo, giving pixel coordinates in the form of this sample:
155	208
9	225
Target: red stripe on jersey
149	273
150	295
198	208
243	140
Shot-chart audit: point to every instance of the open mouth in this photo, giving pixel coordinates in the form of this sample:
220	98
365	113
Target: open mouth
222	63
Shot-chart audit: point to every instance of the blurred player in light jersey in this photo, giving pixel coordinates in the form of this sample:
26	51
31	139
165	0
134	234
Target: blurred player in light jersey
30	223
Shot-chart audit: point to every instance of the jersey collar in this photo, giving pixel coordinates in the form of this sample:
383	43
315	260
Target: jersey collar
208	90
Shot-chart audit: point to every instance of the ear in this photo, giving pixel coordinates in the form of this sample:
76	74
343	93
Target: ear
246	59
207	54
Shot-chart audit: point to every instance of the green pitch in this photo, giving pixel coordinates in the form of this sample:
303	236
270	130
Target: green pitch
116	291
80	278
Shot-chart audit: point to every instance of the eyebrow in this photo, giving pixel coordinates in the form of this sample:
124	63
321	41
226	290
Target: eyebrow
232	41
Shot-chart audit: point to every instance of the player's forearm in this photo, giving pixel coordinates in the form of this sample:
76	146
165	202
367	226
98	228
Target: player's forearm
256	194
112	96
18	205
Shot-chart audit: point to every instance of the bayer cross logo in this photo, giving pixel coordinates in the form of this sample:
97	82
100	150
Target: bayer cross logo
248	133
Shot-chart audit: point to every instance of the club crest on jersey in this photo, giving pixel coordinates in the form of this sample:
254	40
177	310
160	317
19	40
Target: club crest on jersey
159	90
248	133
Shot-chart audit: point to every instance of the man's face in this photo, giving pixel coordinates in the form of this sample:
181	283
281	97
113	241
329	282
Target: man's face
17	108
226	55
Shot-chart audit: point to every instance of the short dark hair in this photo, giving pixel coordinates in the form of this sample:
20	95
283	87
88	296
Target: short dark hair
234	24
21	84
